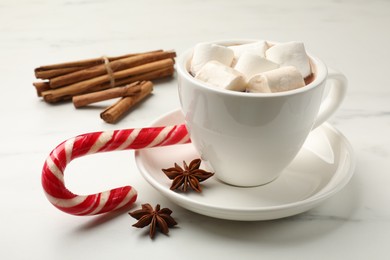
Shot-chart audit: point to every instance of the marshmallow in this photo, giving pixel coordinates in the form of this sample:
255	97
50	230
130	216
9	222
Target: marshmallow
205	52
251	64
290	54
222	76
254	47
282	79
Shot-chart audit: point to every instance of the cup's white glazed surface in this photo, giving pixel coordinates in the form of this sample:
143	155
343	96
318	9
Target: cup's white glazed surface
249	138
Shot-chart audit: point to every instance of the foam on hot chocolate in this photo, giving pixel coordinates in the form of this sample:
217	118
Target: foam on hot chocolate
252	67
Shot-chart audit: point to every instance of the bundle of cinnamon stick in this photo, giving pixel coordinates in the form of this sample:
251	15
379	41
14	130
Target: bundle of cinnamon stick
73	80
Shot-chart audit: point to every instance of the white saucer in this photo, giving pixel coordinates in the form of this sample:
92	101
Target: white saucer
323	167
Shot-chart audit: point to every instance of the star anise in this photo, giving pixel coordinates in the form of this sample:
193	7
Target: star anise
189	176
157	218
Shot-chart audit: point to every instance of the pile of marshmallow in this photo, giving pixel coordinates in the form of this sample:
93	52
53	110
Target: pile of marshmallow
253	67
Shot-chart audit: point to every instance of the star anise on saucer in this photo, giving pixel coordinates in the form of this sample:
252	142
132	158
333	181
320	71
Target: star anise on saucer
190	176
156	218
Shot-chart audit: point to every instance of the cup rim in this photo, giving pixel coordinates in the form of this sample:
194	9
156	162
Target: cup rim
182	61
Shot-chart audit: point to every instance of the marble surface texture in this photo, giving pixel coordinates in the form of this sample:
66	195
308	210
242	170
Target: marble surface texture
351	36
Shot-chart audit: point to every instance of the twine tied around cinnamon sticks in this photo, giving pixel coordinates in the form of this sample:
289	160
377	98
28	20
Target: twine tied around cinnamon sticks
94	80
109	70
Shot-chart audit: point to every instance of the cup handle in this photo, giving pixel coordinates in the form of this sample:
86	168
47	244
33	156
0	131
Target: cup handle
337	84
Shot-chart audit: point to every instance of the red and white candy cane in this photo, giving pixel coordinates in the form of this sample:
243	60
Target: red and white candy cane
53	169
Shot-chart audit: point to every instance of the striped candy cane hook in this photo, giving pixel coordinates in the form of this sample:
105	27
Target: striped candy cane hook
82	145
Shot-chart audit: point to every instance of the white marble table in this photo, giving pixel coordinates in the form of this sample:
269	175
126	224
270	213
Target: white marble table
351	36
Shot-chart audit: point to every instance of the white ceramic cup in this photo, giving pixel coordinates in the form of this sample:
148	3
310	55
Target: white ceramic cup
249	138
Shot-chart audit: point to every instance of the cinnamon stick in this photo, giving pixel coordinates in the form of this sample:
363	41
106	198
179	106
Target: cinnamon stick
113	113
89	98
48	74
41	86
40	71
81	87
116	65
156	74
